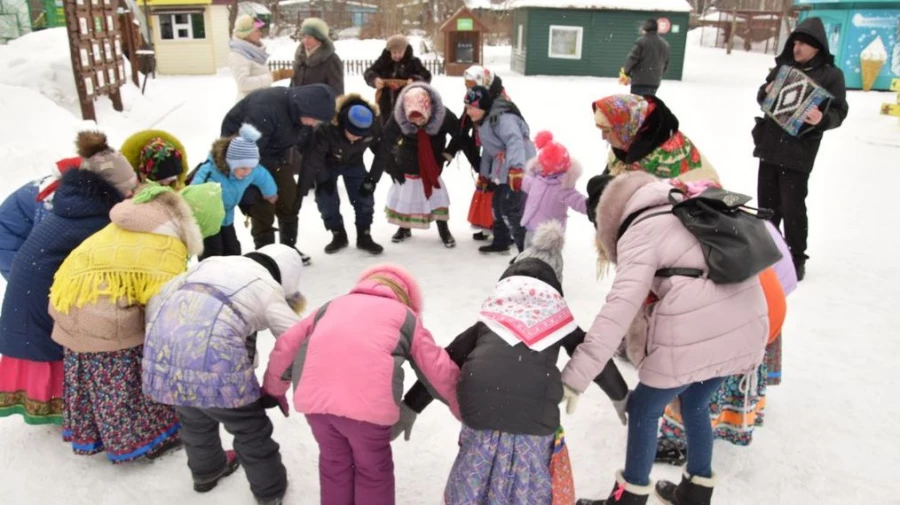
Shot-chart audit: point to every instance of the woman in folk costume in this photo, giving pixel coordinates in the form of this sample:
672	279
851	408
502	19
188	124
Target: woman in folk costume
697	334
199	358
644	135
412	147
31	365
345	363
97	301
510	388
157	156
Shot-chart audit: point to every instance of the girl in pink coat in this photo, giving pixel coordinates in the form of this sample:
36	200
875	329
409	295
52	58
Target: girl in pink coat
550	184
345	364
697	333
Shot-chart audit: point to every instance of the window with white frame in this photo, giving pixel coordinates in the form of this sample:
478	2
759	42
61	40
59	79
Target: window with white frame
565	42
520	38
181	26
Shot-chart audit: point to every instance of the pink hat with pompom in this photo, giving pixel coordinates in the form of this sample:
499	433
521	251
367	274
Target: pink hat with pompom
553	157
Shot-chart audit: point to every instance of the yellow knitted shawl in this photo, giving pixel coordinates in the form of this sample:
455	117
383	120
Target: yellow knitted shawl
117	263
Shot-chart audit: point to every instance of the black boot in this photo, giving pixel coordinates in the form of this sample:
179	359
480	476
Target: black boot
364	241
692	490
287	235
494	248
670	452
231	465
446	236
263	239
623	493
800	267
481	236
401	235
338	242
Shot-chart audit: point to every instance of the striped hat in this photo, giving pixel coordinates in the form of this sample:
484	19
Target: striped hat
242	151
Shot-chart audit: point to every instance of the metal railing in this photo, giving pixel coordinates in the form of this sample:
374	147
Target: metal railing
357	67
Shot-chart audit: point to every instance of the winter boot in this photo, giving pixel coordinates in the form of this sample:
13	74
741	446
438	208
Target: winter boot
694	490
670	452
287	232
263	239
338	242
401	235
444	232
800	266
622	493
231	465
494	248
364	241
481	236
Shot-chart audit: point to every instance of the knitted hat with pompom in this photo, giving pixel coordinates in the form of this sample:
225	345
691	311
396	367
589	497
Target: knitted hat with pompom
553	157
242	151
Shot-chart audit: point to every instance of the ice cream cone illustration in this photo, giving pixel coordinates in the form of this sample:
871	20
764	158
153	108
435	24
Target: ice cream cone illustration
872	60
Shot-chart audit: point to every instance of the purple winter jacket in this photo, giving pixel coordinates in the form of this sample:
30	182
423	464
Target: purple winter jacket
551	197
697	330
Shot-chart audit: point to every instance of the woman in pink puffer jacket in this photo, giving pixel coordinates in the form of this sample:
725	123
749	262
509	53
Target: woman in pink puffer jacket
697	333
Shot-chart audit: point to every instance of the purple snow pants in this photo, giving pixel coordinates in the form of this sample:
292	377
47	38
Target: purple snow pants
356	466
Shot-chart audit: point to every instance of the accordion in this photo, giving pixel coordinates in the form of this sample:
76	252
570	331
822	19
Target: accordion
791	96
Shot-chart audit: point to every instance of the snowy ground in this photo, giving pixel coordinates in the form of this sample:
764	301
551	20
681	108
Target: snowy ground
830	434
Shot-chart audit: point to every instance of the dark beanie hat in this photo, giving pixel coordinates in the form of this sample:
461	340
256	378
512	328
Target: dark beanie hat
536	269
808	40
650	25
595	187
480	98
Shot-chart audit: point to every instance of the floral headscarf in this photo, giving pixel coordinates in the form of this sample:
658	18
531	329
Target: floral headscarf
160	160
625	114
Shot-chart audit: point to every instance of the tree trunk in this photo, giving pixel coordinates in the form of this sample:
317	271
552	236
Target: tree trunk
232	14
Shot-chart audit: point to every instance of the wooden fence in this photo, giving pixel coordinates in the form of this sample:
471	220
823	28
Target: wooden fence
357	67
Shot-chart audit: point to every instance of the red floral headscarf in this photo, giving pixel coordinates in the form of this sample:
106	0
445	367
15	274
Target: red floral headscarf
625	114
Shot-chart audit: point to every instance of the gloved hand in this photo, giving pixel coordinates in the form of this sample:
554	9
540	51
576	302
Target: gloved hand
482	183
269	401
622	408
328	186
623	77
398	178
570	397
283	73
405	424
515	178
367	187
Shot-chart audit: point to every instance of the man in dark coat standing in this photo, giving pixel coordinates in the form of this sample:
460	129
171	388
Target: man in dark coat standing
785	160
396	62
647	61
286	118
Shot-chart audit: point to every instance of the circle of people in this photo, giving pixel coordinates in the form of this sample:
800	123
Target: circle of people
139	353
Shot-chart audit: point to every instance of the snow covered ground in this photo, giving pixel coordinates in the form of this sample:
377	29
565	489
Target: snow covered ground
830	434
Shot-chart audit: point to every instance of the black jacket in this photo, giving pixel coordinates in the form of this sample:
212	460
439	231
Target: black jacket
773	143
400	152
331	148
648	60
385	67
276	113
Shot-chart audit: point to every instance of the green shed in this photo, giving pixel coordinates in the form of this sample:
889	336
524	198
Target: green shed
591	37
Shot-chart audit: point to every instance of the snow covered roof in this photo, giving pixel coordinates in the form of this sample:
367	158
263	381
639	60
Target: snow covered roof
488	5
304	2
624	5
254	8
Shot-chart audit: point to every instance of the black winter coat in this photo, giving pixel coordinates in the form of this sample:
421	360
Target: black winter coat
331	148
385	67
773	143
323	66
276	113
648	60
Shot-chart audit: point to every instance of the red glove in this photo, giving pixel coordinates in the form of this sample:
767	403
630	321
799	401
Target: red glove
515	178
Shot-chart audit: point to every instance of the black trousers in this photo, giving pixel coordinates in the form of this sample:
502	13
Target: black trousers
262	213
252	430
784	191
224	243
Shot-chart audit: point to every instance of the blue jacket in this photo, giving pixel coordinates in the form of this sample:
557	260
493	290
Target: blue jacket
81	208
504	131
17	217
232	187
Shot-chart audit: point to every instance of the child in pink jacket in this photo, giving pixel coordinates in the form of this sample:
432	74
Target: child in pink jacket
550	184
345	364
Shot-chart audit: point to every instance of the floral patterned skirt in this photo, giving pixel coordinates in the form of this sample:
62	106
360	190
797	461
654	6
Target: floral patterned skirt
408	207
32	389
105	408
497	468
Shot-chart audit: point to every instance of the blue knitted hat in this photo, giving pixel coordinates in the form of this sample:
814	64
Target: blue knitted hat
358	120
242	150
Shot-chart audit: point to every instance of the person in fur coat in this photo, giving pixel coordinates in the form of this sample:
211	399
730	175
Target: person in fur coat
697	333
31	363
199	357
412	147
396	63
234	164
549	182
347	378
97	302
508	358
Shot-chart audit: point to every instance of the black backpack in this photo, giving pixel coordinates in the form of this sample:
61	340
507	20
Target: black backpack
735	241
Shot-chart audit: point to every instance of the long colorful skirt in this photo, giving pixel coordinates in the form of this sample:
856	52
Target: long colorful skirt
32	389
735	410
408	207
496	468
105	408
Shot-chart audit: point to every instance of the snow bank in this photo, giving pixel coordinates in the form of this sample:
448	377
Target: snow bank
41	61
